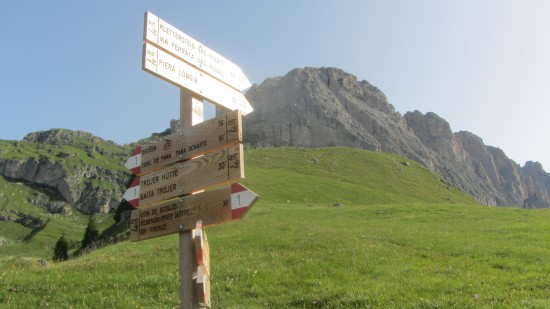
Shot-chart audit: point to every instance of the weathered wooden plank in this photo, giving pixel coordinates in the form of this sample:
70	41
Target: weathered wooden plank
199	139
210	170
178	215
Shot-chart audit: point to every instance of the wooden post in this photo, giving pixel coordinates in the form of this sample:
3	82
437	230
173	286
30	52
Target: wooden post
186	270
191	113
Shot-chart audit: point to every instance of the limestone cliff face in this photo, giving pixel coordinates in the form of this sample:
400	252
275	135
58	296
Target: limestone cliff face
327	107
536	185
70	164
319	107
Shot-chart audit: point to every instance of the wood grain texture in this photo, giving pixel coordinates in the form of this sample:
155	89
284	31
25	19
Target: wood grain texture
202	248
200	173
203	138
180	215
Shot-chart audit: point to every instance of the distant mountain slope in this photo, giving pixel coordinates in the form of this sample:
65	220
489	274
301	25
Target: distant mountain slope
319	107
50	185
338	176
80	170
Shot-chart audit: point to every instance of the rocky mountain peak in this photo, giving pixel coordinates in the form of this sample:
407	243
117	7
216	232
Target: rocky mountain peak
320	107
63	137
534	168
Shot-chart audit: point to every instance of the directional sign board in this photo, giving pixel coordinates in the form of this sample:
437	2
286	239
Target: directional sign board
196	140
200	173
167	37
173	70
180	215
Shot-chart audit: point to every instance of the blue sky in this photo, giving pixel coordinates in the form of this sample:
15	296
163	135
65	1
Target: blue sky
484	66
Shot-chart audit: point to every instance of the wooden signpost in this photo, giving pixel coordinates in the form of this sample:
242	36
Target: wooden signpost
173	171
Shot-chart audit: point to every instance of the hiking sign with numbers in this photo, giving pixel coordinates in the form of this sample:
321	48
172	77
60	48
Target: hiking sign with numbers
172	172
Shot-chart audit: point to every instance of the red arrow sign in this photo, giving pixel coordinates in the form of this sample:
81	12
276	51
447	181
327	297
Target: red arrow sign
180	215
241	200
199	139
194	175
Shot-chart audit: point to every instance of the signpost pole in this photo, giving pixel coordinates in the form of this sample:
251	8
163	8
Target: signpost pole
186	269
190	114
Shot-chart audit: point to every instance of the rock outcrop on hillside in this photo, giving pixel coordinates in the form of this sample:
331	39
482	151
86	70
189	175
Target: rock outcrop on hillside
314	107
69	164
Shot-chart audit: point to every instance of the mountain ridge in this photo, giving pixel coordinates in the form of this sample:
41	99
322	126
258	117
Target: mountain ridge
309	107
320	107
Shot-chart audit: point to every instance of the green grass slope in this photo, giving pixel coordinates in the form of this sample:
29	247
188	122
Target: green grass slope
343	175
20	240
399	238
74	152
20	199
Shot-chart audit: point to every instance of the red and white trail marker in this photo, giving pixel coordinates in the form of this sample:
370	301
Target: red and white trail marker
134	162
202	249
203	287
241	200
202	253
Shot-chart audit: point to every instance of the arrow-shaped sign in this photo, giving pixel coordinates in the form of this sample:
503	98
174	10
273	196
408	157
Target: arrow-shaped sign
180	215
199	139
164	35
181	74
190	176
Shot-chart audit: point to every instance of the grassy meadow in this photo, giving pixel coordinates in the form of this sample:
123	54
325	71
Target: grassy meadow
334	228
22	241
